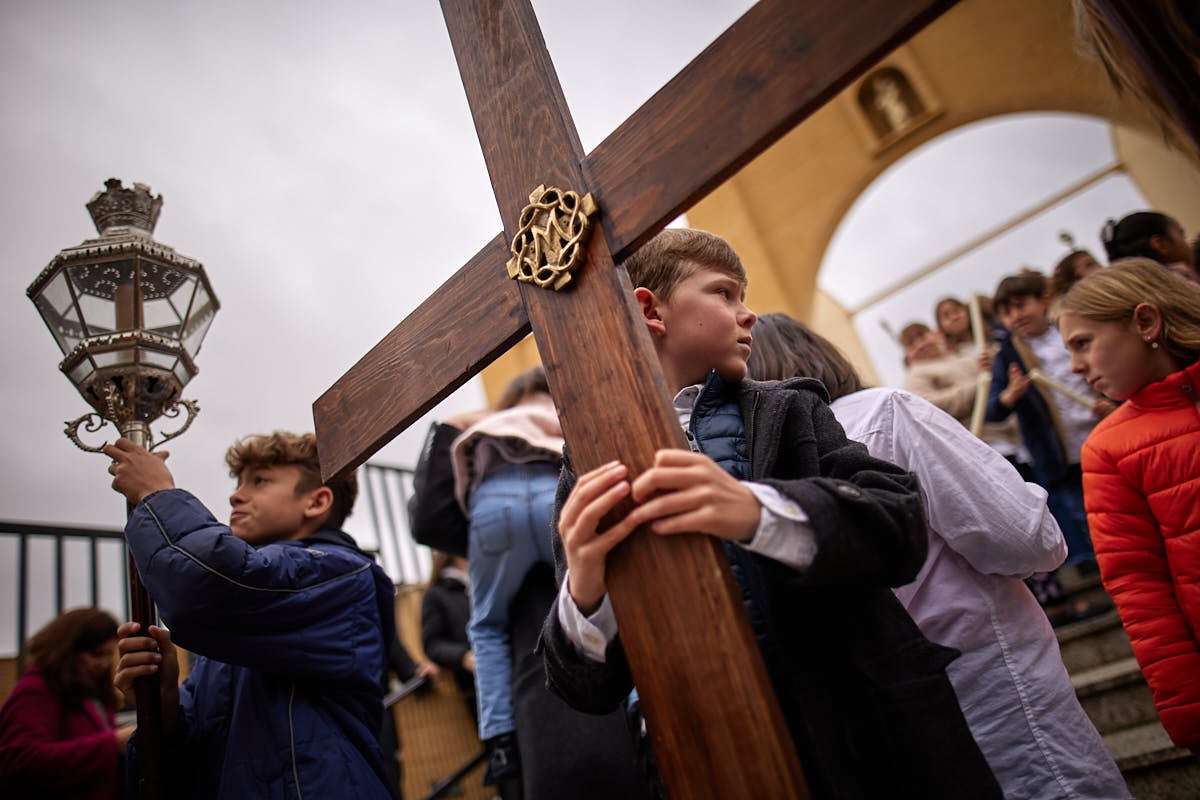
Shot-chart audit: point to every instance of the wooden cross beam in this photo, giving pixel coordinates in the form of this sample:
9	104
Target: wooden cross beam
716	727
717	730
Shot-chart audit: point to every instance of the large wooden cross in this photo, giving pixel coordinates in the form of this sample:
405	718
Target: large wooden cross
716	727
715	724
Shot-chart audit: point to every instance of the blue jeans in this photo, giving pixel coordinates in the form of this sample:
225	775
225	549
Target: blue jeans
510	531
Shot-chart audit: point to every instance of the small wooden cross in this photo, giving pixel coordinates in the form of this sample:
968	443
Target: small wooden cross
717	729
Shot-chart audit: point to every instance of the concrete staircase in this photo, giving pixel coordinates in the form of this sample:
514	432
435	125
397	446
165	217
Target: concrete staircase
1114	694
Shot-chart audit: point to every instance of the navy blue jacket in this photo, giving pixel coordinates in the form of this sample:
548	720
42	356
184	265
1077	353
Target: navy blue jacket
1039	432
285	699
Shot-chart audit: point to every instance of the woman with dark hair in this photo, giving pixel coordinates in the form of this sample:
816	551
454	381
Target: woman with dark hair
58	731
1152	235
987	530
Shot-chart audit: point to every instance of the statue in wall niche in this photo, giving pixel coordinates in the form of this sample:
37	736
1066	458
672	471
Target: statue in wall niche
890	102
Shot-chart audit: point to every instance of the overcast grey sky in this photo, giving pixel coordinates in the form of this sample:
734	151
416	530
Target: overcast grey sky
969	186
317	157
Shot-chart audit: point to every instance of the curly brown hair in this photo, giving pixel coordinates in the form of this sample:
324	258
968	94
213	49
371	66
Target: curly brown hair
298	450
53	649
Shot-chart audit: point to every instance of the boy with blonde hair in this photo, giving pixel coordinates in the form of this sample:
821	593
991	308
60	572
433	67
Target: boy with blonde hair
291	621
816	531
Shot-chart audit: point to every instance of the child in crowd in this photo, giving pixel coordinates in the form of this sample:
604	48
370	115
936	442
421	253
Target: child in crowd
950	380
445	611
988	529
292	622
1053	426
953	320
58	730
505	471
942	376
1133	331
935	372
816	529
949	377
1072	268
1152	235
504	468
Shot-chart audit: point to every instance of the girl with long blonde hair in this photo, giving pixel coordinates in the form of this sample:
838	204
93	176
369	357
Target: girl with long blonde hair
1133	331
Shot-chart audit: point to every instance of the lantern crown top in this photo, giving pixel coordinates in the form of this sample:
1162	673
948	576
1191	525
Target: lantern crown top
118	206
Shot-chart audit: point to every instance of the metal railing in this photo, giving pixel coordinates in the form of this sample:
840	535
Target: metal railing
57	567
54	567
383	500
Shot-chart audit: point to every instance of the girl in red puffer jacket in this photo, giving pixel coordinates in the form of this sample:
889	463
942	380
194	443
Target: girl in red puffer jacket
1134	334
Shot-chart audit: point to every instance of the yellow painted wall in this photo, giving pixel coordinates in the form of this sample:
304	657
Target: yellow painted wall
1169	180
981	59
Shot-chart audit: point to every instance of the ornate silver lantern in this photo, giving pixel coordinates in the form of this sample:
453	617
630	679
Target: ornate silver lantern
129	315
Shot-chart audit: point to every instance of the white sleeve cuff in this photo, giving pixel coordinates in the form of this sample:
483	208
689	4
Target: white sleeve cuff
784	533
589	635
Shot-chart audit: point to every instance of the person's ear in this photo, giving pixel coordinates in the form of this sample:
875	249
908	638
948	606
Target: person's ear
1147	321
320	501
651	310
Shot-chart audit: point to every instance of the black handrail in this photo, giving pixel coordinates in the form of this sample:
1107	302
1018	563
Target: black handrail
442	787
385	492
59	535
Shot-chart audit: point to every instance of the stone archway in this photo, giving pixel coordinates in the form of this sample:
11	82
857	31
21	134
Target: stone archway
982	59
965	209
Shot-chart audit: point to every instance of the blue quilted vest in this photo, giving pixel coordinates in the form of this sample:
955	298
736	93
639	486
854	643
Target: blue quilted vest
717	430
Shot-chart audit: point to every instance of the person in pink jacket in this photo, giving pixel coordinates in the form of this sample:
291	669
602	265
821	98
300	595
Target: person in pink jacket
58	731
1133	331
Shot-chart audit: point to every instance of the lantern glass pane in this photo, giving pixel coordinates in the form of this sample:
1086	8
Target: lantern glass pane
82	371
181	373
105	294
60	314
166	306
113	358
203	309
162	280
156	358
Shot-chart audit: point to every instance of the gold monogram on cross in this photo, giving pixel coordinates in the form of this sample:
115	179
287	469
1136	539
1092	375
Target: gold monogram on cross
551	237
